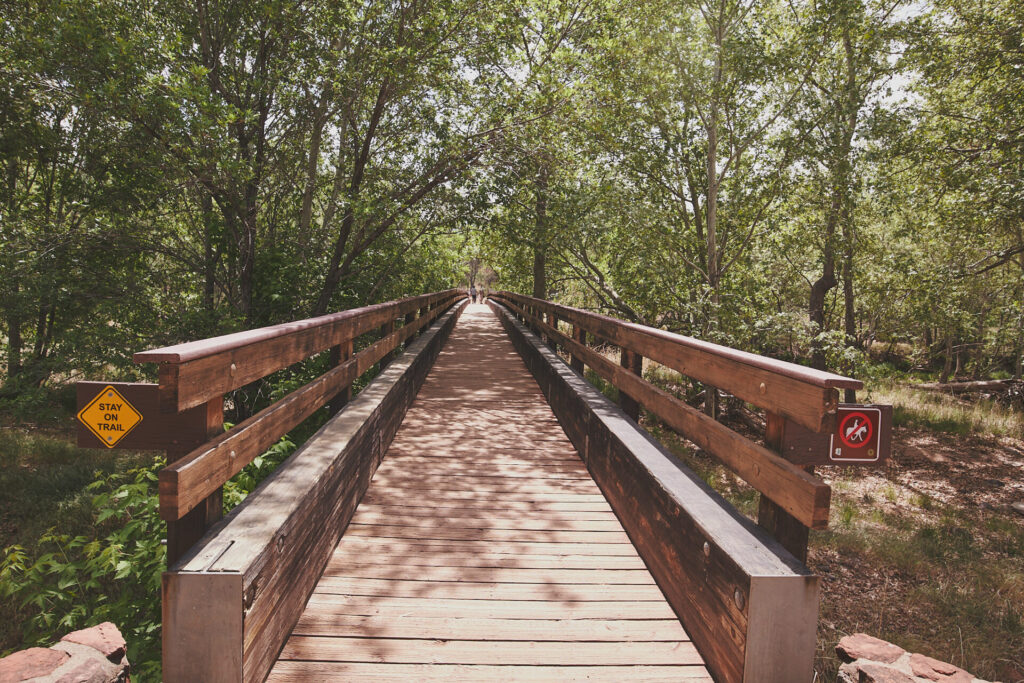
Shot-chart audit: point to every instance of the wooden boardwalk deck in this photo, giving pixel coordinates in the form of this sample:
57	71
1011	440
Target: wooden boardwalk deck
483	549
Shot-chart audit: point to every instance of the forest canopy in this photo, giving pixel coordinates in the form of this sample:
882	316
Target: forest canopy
814	180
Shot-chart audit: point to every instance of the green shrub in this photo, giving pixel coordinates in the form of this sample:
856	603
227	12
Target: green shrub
113	574
76	582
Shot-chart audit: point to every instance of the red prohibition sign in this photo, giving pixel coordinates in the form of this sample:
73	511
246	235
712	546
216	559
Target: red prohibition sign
857	433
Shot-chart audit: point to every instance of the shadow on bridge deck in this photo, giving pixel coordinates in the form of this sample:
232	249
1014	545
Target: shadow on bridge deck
483	549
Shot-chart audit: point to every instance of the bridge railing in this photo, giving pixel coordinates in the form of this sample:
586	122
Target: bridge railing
792	498
200	373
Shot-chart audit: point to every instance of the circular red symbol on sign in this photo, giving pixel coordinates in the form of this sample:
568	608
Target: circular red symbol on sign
855	430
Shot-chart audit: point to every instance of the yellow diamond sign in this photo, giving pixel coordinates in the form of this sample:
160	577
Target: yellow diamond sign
109	416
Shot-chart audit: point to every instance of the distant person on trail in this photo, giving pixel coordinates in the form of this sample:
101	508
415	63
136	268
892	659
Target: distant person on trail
472	294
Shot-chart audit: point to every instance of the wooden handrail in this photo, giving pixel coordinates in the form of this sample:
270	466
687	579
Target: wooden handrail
194	372
750	609
201	372
812	396
231	604
805	395
185	483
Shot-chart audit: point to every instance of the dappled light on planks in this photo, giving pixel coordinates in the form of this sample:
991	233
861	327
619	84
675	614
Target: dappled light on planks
483	549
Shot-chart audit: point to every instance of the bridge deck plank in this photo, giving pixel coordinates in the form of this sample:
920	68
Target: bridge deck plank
483	550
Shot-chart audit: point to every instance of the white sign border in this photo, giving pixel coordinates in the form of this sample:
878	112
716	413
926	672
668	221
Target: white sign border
878	438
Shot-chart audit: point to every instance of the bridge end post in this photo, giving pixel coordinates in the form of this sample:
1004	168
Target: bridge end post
786	528
183	533
777	606
633	362
340	354
579	335
202	626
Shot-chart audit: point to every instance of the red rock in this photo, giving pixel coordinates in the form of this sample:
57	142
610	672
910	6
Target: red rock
870	672
934	670
105	637
35	661
88	671
863	646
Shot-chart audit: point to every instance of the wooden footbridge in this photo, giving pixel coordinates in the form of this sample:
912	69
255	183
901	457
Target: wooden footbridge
479	511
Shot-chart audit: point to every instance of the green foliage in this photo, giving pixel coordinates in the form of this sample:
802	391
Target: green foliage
836	183
246	481
110	575
113	573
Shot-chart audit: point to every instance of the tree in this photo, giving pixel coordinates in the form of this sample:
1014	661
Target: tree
846	87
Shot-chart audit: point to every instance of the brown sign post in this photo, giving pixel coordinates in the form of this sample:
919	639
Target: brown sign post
176	433
863	437
131	414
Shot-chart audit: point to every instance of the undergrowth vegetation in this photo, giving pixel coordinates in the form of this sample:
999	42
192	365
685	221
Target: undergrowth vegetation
926	552
945	413
88	548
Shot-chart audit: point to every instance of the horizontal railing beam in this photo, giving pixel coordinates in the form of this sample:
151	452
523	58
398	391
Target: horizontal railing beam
749	606
195	372
806	396
185	483
803	495
231	603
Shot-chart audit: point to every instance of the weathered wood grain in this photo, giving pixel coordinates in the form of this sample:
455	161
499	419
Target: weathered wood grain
193	373
281	537
480	521
784	527
632	362
302	672
806	396
498	576
433	608
436	651
804	496
550	588
725	578
185	483
324	622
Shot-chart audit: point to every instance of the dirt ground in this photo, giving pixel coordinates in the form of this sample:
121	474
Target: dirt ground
927	552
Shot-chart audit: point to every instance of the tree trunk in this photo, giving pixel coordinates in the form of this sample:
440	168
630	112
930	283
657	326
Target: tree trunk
850	322
247	256
312	165
14	340
849	317
816	305
540	237
947	366
711	208
1018	362
209	257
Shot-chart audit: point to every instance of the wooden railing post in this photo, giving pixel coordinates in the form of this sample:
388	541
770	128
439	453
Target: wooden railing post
386	329
789	531
633	362
410	318
579	335
339	354
553	322
423	311
182	534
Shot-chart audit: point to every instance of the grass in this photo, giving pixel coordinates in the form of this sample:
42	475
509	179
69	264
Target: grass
952	570
931	573
956	580
948	414
42	480
42	476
